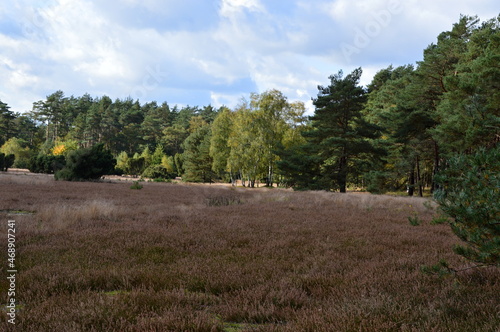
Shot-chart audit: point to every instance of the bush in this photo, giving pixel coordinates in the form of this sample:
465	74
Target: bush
19	148
87	164
47	164
157	172
376	182
118	171
136	185
6	161
470	195
135	166
121	161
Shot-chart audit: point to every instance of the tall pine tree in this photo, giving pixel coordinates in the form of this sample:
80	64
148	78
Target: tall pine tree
340	133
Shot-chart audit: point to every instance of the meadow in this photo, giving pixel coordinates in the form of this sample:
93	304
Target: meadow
99	256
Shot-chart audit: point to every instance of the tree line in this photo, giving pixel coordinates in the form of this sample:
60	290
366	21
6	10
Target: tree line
395	134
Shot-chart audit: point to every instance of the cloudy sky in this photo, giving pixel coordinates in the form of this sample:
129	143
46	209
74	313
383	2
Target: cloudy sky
200	52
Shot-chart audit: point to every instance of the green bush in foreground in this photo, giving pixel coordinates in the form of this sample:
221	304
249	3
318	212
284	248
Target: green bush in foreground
470	195
136	185
87	164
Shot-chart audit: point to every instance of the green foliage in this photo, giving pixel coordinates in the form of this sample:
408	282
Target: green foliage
470	196
442	269
169	164
157	118
173	137
57	113
469	112
414	220
448	104
158	155
135	165
146	154
7	118
157	172
249	141
197	161
162	180
302	170
440	219
376	182
118	171
6	161
46	163
122	161
19	149
179	163
394	135
339	145
87	164
246	149
219	148
398	102
136	185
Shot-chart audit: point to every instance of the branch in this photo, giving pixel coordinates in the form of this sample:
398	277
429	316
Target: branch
468	268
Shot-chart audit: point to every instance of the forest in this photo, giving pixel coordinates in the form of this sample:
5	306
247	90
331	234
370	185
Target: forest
393	135
106	256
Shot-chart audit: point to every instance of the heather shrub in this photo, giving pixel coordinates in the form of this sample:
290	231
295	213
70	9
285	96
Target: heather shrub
62	216
97	256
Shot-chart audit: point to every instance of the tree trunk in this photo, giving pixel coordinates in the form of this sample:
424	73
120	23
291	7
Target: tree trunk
434	185
411	180
242	180
269	180
342	176
419	180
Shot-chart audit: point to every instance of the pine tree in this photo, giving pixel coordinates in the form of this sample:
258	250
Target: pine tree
470	195
340	137
197	161
219	147
469	112
7	125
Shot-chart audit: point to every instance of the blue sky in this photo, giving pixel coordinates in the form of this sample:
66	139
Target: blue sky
200	52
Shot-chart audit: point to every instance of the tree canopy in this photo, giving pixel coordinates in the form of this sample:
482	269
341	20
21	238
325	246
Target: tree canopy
394	134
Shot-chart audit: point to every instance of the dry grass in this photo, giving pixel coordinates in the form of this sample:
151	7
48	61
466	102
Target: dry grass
172	257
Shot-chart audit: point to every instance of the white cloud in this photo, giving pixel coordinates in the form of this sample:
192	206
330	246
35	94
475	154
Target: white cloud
220	99
81	38
232	8
17	74
166	50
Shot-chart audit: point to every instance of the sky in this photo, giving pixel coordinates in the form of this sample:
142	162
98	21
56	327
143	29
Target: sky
201	52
